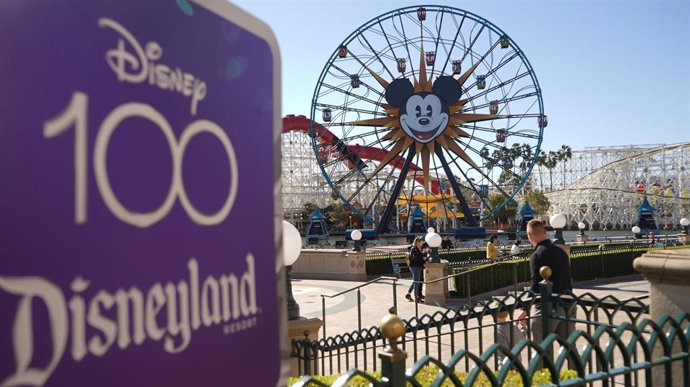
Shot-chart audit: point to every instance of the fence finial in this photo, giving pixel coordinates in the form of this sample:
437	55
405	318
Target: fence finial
392	328
545	272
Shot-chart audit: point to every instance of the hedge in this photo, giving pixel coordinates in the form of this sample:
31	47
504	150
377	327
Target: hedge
614	262
428	374
587	262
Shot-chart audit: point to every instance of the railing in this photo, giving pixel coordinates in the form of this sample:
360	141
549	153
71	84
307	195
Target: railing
385	280
606	341
469	327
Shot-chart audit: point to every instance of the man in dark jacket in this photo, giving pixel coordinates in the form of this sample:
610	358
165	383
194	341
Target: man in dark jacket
548	254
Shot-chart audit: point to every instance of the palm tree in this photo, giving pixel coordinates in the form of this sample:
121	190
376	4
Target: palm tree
541	162
564	155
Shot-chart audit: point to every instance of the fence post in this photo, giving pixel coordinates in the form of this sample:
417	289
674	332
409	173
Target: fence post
393	358
546	312
306	343
323	314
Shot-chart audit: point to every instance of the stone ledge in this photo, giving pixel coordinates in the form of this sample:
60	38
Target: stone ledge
330	264
665	266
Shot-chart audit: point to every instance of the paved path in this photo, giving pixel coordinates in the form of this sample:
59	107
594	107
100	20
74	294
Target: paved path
341	311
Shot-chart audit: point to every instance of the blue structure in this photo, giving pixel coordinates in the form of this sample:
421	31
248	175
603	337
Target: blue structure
316	230
415	224
526	214
645	216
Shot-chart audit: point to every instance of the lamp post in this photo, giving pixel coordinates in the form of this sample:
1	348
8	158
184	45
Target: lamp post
582	238
292	247
434	241
350	220
558	222
636	230
684	237
356	236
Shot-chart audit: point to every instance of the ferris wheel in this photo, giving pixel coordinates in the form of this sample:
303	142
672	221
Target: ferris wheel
429	108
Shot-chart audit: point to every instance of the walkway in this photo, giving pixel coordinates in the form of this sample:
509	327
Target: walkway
341	312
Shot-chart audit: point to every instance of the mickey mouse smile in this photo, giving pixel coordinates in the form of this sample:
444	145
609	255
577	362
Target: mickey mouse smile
424	115
424	118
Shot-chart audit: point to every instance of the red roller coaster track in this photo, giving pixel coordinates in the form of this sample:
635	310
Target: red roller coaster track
352	154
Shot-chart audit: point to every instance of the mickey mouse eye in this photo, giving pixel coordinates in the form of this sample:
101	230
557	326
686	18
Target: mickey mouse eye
418	110
429	111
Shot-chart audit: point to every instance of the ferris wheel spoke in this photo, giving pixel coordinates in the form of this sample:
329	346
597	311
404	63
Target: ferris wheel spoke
495	87
503	101
377	56
362	83
453	45
444	197
349	93
467	178
379	191
367	180
469	49
493	130
388	41
350	109
383	224
469	218
361	136
405	41
483	141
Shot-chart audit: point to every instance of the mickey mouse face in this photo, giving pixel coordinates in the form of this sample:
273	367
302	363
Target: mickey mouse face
424	116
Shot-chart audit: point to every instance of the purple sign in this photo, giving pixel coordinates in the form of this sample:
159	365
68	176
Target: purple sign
137	208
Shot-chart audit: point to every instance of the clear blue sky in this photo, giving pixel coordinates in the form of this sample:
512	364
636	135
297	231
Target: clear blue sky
611	72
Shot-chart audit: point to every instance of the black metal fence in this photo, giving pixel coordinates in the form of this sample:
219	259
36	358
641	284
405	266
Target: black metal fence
606	340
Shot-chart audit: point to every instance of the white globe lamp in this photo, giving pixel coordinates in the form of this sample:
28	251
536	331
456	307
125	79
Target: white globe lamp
558	222
292	247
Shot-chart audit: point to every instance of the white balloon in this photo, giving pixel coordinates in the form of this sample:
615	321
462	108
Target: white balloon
292	243
356	235
434	240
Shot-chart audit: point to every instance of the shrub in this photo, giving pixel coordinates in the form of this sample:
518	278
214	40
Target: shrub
427	375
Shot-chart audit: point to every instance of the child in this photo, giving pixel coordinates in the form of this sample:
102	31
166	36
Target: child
504	336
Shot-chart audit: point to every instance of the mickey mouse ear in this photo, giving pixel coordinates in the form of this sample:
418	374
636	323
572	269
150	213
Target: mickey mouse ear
447	88
399	91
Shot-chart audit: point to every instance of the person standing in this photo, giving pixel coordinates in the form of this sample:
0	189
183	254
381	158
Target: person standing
516	248
491	249
546	253
417	259
652	239
508	334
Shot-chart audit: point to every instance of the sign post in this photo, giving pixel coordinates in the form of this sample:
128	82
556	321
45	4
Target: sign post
139	195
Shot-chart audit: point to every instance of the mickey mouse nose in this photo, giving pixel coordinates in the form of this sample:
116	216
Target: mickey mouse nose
424	121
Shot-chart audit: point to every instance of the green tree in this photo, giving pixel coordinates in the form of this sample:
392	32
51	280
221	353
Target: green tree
538	201
307	210
336	214
506	212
